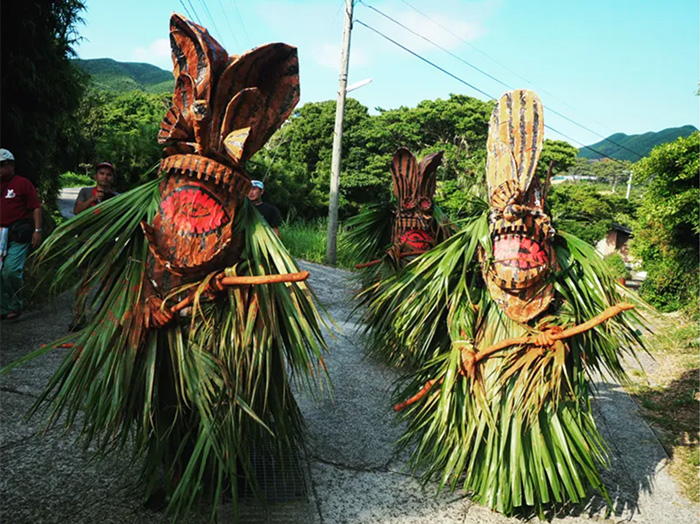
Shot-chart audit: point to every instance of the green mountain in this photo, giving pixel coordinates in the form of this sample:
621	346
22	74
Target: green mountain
111	75
631	144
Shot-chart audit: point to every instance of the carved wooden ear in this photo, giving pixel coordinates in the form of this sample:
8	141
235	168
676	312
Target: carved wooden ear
196	53
234	143
242	112
426	171
404	172
517	125
273	70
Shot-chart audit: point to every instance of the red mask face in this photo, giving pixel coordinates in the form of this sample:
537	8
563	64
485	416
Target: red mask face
414	187
193	224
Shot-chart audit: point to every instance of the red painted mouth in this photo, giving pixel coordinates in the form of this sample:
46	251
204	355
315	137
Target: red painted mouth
519	252
417	240
193	210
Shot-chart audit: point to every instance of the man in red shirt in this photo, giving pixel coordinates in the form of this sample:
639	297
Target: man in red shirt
20	227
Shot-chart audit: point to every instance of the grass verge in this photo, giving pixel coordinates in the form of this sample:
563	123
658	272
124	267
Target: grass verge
668	394
307	240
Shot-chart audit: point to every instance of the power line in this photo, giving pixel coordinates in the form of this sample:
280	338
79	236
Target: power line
424	59
240	19
186	10
492	59
194	12
340	6
206	9
436	45
228	23
455	77
550	109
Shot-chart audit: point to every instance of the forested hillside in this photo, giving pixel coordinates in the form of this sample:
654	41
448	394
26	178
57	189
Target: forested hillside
622	147
121	77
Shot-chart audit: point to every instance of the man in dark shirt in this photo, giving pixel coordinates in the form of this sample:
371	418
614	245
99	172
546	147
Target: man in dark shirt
91	196
20	227
269	212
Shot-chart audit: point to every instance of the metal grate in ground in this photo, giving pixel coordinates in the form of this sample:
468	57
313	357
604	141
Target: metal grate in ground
280	479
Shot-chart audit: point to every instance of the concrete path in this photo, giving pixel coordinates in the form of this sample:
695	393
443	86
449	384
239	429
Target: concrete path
66	201
352	474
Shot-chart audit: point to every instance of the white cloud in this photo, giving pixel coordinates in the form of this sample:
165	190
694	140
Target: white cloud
328	55
155	52
446	32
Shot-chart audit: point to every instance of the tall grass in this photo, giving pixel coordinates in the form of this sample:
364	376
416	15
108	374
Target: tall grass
306	239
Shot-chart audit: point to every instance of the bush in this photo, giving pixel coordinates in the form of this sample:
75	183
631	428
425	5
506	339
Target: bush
669	286
71	179
667	235
617	266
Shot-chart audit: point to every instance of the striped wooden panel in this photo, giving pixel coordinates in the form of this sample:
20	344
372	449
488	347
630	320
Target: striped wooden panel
272	69
427	171
404	173
516	135
196	53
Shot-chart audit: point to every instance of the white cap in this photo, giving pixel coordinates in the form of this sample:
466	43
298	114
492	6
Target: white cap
6	155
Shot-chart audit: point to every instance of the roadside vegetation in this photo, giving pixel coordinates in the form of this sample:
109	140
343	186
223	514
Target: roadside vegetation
668	396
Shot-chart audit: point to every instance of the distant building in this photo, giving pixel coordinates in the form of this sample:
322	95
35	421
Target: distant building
558	179
615	241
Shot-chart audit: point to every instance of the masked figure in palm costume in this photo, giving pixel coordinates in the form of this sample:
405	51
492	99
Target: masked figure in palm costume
504	325
198	319
387	238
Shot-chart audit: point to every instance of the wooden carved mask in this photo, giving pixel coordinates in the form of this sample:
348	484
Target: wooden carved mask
414	187
521	232
224	109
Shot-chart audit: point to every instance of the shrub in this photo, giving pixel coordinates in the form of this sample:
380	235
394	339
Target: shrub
617	266
71	179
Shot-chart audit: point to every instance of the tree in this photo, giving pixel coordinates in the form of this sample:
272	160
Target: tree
41	89
667	232
122	129
612	171
296	164
581	210
561	153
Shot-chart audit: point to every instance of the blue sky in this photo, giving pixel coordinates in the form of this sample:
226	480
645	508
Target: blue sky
612	66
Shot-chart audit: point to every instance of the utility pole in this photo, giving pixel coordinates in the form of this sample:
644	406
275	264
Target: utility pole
629	185
331	246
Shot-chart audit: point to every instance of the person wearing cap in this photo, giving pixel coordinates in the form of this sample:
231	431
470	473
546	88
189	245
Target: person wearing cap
103	190
269	212
20	228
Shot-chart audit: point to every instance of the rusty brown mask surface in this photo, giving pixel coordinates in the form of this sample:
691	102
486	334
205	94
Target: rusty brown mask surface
414	187
521	232
224	109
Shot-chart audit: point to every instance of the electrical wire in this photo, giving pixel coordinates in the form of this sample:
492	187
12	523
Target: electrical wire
461	80
189	15
549	108
228	23
194	12
206	9
240	19
494	60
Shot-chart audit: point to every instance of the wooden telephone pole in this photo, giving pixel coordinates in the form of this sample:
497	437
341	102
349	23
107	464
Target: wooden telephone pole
332	244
